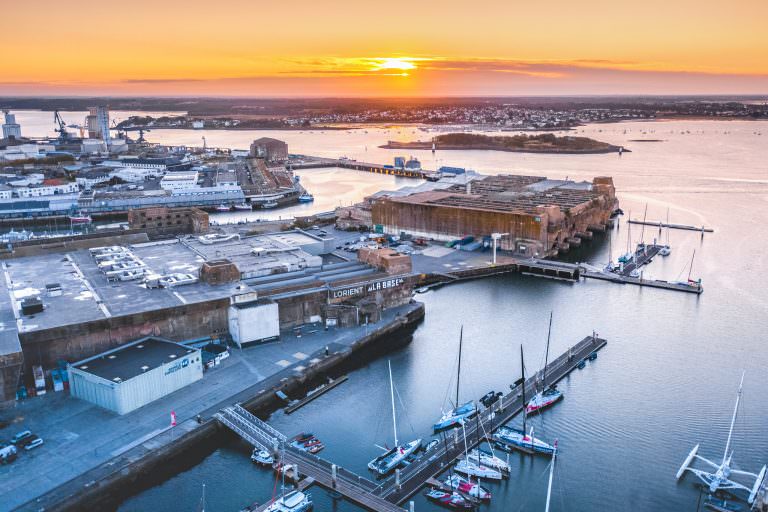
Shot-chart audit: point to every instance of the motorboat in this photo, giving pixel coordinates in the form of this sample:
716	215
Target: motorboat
262	457
269	204
80	218
306	197
456	417
308	443
461	484
243	207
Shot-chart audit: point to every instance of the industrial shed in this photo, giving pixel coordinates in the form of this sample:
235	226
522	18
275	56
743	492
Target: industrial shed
135	374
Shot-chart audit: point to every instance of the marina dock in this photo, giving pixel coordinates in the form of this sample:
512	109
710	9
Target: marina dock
392	492
316	393
319	163
652	283
660	225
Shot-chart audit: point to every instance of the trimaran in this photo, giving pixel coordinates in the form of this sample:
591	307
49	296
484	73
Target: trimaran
389	460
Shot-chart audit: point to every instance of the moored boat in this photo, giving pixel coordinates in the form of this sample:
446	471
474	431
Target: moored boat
243	207
449	499
471	468
548	395
294	501
80	218
518	438
460	413
461	484
488	459
306	197
262	457
269	204
223	208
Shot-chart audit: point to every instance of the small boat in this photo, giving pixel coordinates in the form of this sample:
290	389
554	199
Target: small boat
243	207
488	459
307	442
582	364
294	501
449	499
635	273
392	458
471	468
592	356
269	204
719	505
461	484
306	197
549	395
80	218
431	445
223	208
262	457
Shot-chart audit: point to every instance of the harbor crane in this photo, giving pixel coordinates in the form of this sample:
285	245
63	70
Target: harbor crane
720	479
61	125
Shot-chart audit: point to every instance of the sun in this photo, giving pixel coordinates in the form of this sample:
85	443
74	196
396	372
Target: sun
402	64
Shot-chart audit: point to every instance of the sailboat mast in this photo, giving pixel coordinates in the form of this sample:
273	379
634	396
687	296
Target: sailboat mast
458	372
522	370
667	244
642	230
690	267
551	472
733	419
546	353
392	395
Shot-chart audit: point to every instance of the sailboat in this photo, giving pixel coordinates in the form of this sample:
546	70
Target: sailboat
449	499
459	413
508	437
389	460
666	250
489	460
468	487
548	395
551	474
721	478
472	468
627	257
689	281
294	501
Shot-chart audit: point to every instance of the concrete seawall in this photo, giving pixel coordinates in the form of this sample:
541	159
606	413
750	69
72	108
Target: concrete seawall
153	461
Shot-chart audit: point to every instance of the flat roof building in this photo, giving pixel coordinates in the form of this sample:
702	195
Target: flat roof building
135	374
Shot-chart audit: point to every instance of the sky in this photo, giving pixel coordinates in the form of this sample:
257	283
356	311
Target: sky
389	48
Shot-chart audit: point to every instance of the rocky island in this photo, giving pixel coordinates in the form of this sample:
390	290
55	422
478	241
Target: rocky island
539	143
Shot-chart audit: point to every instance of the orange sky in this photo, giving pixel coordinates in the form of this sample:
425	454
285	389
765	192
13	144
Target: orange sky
394	48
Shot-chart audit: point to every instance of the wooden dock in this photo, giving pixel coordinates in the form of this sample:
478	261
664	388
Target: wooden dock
389	494
316	393
660	225
652	283
415	476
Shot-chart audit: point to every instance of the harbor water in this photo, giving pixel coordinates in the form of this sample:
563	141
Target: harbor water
666	381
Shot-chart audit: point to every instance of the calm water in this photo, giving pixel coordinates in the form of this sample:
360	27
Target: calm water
666	381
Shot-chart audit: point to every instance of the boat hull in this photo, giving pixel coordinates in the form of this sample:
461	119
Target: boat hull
384	464
508	437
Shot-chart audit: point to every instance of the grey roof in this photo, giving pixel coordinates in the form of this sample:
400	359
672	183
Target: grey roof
132	359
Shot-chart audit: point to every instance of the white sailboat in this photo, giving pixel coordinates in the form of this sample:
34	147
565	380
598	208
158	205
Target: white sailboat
508	437
389	460
294	501
547	396
488	459
471	467
666	250
721	478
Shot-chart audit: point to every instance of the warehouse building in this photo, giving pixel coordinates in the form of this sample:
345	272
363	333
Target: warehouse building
135	374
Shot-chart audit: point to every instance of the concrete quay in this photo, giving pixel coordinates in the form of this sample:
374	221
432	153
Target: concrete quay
91	457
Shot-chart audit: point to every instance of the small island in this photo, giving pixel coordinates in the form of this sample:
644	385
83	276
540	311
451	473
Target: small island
539	143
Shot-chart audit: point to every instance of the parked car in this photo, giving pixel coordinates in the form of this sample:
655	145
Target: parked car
7	454
34	443
20	437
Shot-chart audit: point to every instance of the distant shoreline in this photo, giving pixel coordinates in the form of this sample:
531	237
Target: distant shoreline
516	144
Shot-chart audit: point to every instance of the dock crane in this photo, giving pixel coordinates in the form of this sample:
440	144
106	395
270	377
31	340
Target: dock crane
61	125
721	478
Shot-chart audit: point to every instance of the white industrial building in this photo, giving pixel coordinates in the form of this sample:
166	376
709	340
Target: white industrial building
135	374
253	320
179	181
11	129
